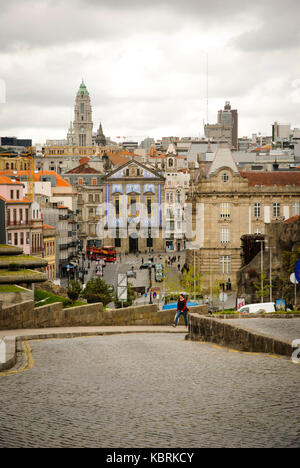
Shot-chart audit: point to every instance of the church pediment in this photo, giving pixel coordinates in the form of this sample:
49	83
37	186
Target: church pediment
134	170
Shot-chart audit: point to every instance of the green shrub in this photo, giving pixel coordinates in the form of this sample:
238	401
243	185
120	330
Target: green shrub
97	290
14	267
74	290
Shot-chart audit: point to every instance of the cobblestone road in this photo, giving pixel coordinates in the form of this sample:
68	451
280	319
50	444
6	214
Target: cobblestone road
284	329
149	390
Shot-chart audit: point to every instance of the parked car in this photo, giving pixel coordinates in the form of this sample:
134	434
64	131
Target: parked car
131	274
145	265
268	307
159	272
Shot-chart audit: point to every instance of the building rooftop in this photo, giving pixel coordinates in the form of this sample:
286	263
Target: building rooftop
270	179
36	176
83	169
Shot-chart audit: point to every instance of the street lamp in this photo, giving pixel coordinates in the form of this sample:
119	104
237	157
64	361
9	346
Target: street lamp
82	267
68	273
150	283
271	286
261	266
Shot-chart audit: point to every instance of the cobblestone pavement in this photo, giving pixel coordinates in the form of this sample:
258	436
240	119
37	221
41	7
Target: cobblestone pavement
284	329
149	390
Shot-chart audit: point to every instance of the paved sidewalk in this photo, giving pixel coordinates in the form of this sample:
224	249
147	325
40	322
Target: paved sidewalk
64	332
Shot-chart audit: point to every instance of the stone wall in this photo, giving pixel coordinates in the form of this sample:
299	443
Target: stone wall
282	237
25	316
227	334
11	298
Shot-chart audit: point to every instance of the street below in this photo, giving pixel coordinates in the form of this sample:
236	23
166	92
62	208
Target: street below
149	390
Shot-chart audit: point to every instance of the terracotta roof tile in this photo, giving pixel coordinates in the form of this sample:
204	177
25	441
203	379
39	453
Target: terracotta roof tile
270	179
83	169
37	176
291	220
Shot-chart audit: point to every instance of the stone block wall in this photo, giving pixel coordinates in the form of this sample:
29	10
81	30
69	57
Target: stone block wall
24	315
11	298
229	335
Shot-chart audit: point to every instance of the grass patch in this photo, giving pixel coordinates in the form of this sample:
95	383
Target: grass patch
7	288
29	273
42	298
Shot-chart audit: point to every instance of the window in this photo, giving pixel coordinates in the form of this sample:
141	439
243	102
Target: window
80	181
16	238
225	236
18	194
225	210
117	204
225	177
133	210
149	207
97	198
178	198
257	231
94	182
91	198
276	210
11	194
169	197
127	172
257	210
296	208
82	108
170	213
9	238
225	264
22	238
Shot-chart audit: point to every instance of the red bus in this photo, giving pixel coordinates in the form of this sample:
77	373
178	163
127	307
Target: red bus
108	254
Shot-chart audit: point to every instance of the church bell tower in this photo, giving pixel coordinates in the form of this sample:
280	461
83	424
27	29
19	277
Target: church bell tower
83	124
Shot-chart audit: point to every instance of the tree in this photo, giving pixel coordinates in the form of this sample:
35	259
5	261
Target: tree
74	290
97	290
193	283
262	289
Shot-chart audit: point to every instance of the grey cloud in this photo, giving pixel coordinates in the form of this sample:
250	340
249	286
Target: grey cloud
40	24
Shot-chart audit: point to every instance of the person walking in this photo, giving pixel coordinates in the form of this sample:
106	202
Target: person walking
181	309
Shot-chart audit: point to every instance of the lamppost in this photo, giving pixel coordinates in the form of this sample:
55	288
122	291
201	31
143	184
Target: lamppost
261	266
150	283
271	286
68	273
82	266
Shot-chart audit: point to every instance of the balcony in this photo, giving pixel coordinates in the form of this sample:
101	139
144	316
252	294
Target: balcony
21	223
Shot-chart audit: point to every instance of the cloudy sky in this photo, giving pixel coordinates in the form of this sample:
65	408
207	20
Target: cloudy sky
144	64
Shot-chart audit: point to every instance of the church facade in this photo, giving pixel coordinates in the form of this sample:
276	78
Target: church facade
133	210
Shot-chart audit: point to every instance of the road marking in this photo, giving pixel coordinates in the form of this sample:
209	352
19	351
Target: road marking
27	366
30	361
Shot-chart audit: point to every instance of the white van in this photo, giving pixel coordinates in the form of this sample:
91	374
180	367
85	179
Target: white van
268	307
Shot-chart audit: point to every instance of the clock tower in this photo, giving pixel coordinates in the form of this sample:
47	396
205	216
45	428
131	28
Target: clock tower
83	124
